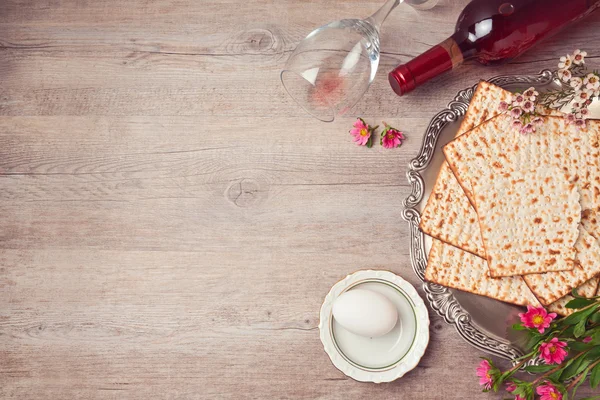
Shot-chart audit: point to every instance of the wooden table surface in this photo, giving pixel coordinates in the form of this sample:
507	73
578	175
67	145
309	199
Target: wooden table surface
170	221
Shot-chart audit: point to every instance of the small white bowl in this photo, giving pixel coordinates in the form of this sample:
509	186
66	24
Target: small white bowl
385	358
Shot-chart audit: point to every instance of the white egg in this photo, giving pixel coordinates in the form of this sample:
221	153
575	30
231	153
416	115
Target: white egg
365	313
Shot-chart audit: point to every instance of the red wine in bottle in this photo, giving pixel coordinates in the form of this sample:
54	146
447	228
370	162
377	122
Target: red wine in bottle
491	32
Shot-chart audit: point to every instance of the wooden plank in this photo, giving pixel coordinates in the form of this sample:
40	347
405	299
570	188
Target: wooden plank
170	221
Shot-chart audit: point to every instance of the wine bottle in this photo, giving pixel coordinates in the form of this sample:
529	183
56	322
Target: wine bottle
491	32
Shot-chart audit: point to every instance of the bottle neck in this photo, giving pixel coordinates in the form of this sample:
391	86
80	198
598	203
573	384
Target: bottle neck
439	59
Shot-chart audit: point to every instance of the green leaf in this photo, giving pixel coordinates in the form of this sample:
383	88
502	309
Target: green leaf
575	369
570	366
519	327
370	142
595	377
580	346
578	316
595	318
593	354
579	303
537	369
591	398
579	329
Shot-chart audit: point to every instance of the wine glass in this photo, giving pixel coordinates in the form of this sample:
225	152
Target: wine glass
332	68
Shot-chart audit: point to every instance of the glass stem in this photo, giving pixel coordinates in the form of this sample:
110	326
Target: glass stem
380	15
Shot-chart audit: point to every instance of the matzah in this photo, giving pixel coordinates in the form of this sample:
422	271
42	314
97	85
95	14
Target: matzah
494	147
447	202
552	286
529	221
588	289
458	269
448	214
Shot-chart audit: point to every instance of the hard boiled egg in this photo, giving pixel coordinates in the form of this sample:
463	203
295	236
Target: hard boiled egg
365	313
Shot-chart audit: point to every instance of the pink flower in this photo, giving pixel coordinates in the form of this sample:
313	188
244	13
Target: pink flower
485	377
361	132
587	339
530	94
527	128
517	124
580	123
565	62
576	83
584	95
528	106
548	392
538	121
517	397
553	352
570	118
516	112
511	387
592	81
579	57
584	113
503	106
565	75
518	99
391	138
537	317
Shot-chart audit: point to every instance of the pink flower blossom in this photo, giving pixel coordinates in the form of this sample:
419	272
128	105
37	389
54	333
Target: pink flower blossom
503	106
580	123
587	339
391	138
565	62
528	106
584	95
584	113
591	81
511	387
565	75
576	83
527	128
549	392
531	94
537	317
516	112
517	124
553	352
485	377
570	118
518	99
579	57
361	132
538	121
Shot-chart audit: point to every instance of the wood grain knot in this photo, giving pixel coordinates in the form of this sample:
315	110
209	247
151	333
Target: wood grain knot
246	193
253	41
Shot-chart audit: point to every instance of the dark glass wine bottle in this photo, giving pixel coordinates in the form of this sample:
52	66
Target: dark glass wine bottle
491	32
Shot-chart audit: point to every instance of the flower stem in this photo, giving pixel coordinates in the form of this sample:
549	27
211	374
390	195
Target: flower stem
582	376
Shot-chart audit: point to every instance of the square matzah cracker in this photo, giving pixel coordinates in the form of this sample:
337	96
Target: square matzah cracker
458	269
529	221
494	147
447	201
448	214
552	286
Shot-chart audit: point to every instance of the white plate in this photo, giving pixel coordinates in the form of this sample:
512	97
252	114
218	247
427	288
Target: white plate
382	359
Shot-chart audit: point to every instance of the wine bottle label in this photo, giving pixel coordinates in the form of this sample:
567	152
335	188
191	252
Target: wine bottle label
456	55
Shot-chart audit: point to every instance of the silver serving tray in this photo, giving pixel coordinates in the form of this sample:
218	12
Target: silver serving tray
483	322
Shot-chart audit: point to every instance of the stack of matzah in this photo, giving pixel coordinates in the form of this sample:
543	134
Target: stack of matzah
514	217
